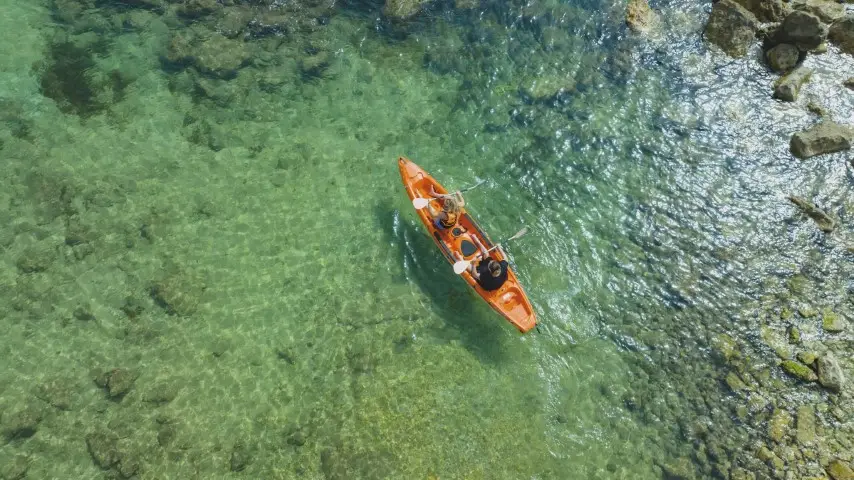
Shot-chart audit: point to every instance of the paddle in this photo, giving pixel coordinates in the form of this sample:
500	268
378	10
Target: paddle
463	265
420	203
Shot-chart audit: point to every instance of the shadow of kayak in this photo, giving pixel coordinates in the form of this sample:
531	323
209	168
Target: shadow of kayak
465	316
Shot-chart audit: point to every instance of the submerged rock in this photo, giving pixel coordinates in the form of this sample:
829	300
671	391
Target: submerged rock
162	393
102	448
830	374
240	457
770	458
825	223
726	347
198	8
731	27
681	469
402	9
220	56
778	426
842	34
825	137
639	17
816	108
117	382
16	469
832	322
807	358
35	259
739	473
178	294
21	424
783	57
799	371
466	4
57	393
805	429
849	83
734	382
839	470
794	334
549	86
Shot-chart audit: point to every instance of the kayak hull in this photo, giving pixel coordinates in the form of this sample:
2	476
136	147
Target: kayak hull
510	301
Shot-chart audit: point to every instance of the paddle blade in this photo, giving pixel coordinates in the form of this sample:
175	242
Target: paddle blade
518	234
420	203
461	266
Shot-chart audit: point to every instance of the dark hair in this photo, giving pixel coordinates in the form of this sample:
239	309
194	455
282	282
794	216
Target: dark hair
494	268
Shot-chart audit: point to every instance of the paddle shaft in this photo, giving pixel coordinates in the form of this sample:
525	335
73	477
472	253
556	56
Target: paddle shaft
415	201
463	265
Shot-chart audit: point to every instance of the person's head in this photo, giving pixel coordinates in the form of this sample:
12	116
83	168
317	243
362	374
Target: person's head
450	205
494	267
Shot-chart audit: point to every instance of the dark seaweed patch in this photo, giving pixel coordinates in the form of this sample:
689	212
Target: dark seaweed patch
67	81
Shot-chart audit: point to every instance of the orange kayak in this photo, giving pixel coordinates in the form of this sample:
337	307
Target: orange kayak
510	300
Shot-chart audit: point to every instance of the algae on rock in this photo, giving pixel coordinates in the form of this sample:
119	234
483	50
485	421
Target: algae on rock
778	426
832	322
825	223
799	371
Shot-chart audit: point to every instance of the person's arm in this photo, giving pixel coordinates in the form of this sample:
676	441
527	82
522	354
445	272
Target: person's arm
460	199
474	272
435	194
483	251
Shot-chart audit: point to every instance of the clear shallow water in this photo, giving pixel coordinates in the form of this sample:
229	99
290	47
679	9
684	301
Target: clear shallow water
270	207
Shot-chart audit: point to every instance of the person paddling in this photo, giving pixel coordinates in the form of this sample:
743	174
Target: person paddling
489	273
451	206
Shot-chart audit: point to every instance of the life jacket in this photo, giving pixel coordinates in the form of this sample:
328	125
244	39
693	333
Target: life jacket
450	220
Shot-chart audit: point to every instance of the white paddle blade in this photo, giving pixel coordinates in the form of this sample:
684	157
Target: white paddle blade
519	234
461	266
420	203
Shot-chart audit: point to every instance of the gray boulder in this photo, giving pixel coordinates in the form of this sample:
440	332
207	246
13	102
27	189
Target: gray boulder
825	137
786	88
842	34
802	29
849	83
766	10
731	27
830	373
783	57
826	10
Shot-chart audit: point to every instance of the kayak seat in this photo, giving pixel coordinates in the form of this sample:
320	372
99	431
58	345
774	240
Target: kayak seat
467	248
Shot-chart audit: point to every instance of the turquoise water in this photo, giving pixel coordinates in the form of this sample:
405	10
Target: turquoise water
232	229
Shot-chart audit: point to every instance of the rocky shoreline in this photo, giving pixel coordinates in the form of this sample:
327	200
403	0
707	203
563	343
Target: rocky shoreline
789	385
789	32
808	424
